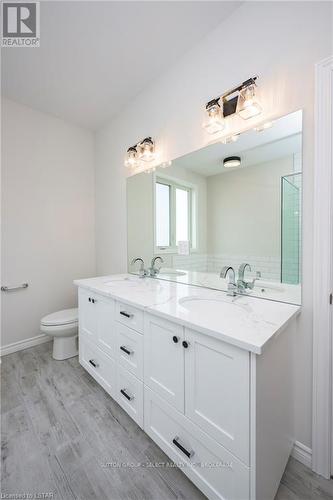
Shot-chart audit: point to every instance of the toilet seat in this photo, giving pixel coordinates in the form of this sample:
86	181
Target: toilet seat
63	317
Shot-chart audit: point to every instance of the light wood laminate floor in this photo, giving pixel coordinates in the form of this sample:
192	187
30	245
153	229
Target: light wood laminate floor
62	435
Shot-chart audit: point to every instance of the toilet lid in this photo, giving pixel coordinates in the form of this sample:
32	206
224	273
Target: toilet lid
64	317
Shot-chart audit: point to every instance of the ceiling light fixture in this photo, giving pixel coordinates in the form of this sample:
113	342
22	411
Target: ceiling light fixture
239	100
232	161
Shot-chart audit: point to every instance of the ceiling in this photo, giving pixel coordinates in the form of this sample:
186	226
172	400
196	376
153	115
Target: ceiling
94	56
283	139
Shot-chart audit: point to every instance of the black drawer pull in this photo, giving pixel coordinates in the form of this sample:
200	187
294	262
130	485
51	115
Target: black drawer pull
175	339
89	299
127	396
185	344
125	349
126	314
93	363
189	454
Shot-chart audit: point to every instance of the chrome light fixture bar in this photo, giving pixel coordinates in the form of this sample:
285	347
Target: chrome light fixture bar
244	103
143	151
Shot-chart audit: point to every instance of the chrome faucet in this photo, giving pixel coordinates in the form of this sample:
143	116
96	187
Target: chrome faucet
241	270
243	285
142	271
232	287
153	270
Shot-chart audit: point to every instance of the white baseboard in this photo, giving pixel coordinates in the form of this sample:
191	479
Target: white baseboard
24	344
302	453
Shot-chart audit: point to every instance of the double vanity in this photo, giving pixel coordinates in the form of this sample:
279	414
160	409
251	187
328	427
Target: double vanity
206	375
199	348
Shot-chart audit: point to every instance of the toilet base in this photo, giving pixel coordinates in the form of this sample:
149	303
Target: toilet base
65	347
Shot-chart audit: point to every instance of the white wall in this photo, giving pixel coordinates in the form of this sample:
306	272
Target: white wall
244	209
281	42
48	216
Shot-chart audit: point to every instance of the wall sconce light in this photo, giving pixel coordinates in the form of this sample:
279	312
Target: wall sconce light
143	151
247	105
146	149
215	121
239	100
131	157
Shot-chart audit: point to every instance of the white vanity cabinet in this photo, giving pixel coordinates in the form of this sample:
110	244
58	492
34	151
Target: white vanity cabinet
96	320
221	412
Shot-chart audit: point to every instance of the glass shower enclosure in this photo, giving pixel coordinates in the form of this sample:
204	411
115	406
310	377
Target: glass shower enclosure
291	199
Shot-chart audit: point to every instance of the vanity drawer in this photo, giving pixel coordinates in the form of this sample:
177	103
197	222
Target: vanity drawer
217	473
129	316
99	365
130	350
130	395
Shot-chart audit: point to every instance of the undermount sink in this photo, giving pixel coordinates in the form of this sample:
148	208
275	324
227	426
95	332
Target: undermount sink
127	280
205	305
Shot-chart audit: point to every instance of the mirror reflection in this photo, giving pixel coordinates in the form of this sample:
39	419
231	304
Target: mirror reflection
227	216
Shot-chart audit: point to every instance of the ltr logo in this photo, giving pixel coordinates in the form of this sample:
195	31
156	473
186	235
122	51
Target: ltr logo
20	24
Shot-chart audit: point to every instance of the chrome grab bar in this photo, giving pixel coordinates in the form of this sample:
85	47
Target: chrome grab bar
12	288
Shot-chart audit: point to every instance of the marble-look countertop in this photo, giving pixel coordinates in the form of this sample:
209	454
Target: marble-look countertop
244	321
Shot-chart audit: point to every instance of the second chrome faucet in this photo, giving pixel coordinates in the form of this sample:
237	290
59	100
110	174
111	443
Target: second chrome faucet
239	286
152	271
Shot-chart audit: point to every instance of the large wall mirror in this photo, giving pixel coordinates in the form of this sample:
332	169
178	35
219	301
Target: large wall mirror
225	205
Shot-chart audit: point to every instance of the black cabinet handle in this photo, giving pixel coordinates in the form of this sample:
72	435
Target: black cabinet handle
125	349
93	363
127	396
89	299
93	301
185	344
126	314
189	454
175	339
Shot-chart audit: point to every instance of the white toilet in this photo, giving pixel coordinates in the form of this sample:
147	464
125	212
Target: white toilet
63	326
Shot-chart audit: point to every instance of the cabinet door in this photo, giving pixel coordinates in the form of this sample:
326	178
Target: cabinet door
106	336
217	391
87	315
164	360
96	319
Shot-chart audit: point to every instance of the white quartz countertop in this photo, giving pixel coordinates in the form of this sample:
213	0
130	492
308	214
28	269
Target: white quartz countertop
244	321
